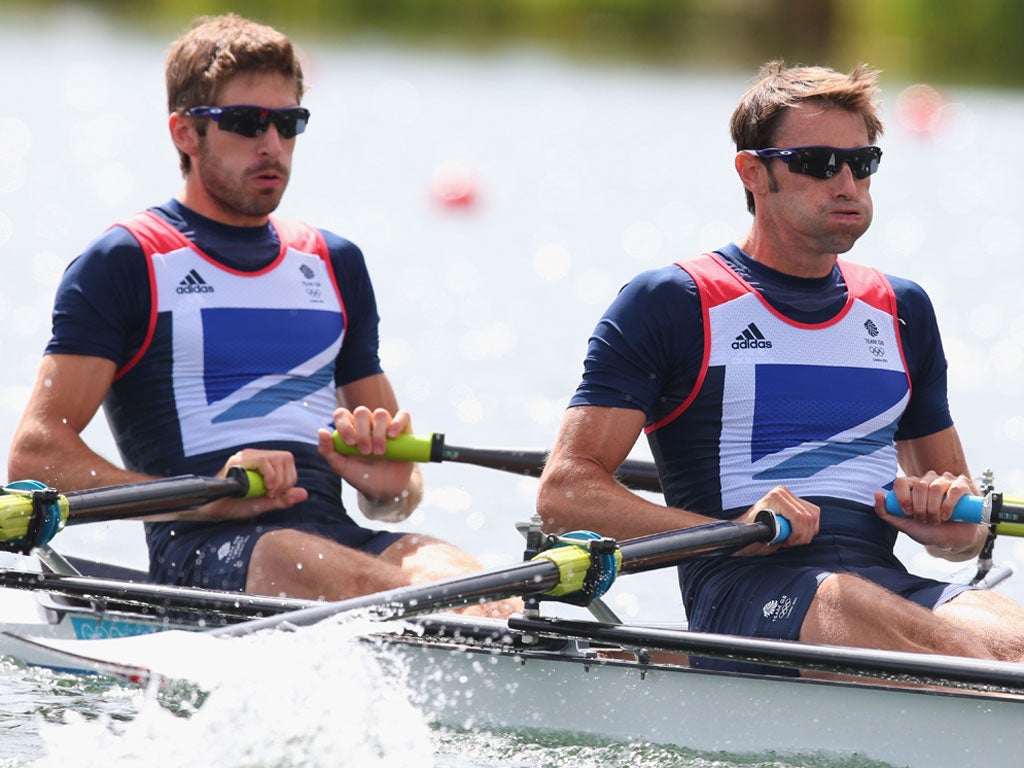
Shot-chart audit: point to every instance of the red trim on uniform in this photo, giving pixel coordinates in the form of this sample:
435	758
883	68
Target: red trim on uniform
152	238
309	239
717	284
156	235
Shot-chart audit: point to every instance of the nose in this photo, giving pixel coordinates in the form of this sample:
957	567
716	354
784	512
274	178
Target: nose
270	140
843	180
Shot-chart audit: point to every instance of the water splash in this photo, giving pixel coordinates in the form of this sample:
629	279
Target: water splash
314	698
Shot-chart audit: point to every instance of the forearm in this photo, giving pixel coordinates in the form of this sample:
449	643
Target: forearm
581	495
62	460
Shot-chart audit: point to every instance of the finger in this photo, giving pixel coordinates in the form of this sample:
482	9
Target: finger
379	434
401	423
362	420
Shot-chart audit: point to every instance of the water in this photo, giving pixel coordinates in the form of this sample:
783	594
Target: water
584	176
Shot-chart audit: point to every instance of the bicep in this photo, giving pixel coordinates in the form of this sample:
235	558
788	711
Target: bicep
597	435
69	390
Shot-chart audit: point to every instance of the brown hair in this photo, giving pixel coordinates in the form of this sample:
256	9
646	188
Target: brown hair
216	49
777	88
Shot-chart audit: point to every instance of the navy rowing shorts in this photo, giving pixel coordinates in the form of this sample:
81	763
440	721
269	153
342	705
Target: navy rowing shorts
217	557
768	597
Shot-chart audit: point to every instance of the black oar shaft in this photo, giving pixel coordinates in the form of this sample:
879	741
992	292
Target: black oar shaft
150	497
638	475
153	598
659	550
533	576
496	584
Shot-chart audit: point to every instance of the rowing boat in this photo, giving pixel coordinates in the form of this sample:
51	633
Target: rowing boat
599	678
543	672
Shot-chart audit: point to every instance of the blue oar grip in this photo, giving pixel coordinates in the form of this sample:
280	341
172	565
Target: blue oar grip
970	509
778	523
782	528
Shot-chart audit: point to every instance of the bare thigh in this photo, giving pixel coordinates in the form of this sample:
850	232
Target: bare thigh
299	564
425	559
852	611
993	617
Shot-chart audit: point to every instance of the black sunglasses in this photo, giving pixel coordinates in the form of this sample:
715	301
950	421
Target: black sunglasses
250	121
825	162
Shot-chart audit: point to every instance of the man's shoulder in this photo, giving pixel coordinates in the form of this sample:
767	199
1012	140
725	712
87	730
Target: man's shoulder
667	277
116	248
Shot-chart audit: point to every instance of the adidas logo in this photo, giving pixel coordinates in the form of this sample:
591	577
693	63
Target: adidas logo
194	283
751	338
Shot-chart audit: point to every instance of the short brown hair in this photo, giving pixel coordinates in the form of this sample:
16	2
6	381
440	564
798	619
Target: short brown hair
218	48
778	88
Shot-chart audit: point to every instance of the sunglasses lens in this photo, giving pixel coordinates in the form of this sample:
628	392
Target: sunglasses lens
245	121
826	162
290	122
253	121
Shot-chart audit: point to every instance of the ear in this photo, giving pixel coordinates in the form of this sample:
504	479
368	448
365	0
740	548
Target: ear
183	134
752	173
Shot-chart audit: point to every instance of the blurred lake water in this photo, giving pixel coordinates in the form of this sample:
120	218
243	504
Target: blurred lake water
574	178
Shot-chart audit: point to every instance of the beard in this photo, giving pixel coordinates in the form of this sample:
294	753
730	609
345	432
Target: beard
228	189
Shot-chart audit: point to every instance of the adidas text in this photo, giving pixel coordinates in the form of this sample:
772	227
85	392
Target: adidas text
752	344
195	289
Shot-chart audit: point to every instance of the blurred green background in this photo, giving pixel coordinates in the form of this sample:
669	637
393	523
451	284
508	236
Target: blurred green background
970	42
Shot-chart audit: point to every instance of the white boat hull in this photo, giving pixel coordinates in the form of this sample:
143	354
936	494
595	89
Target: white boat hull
574	686
712	711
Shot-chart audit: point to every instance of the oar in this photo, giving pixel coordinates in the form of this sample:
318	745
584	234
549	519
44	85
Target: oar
215	606
1004	512
638	475
533	576
25	505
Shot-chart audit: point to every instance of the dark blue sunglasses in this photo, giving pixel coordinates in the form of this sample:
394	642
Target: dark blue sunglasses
825	162
251	121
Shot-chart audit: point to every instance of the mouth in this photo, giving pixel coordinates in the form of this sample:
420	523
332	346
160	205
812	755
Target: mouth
846	213
269	177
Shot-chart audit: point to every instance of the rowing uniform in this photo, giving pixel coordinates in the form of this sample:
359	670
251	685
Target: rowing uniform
749	379
221	335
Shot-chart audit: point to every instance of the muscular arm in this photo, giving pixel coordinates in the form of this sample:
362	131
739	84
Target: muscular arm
47	444
578	490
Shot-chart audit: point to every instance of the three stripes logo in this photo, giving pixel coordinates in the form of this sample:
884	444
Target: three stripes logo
751	338
194	283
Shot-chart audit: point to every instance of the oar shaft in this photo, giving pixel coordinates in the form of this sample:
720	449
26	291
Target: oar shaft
663	549
168	494
533	576
638	475
496	584
159	599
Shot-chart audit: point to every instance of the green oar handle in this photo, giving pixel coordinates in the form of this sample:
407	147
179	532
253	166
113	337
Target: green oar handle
250	483
638	475
405	447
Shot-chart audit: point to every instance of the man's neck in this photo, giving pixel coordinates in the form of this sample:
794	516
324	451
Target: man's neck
788	258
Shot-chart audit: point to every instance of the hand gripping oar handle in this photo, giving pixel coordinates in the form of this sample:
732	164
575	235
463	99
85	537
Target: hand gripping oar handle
19	505
992	509
169	494
638	475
